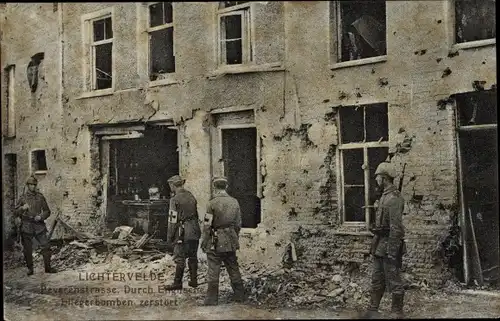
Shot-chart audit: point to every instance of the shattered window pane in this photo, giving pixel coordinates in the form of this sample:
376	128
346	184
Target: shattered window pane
376	122
162	60
232	45
363	29
475	20
354	201
351	124
353	162
477	108
103	71
102	29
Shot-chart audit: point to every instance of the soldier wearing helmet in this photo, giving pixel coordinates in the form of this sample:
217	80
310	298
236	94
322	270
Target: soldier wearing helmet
221	228
183	232
387	243
33	210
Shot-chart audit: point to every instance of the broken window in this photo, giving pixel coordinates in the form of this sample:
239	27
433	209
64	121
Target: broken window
38	160
361	29
474	20
9	80
235	45
477	108
102	53
364	145
161	40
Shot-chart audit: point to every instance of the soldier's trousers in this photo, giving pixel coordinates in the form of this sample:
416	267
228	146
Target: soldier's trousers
27	241
187	250
230	262
386	276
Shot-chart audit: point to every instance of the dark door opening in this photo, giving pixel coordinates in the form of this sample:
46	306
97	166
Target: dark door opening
239	151
480	187
10	196
136	165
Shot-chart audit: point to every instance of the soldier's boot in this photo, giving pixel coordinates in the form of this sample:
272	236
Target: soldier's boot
397	305
193	273
29	262
239	292
177	285
212	297
46	262
372	312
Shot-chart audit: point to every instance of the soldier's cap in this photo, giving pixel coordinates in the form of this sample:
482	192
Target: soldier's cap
386	168
219	181
32	180
176	180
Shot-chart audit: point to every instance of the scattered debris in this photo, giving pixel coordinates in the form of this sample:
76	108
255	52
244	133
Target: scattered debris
121	232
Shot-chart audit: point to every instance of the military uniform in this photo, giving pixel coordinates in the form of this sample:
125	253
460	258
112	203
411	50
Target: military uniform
30	228
388	248
184	234
221	230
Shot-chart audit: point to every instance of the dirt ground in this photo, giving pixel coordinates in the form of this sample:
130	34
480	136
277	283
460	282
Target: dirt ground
36	298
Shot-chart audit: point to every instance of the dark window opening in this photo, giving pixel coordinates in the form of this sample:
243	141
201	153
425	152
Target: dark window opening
475	20
9	94
103	29
103	65
477	108
376	123
161	41
232	44
38	160
362	29
227	4
366	123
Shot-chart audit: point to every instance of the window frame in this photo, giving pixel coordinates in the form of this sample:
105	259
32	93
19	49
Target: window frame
450	7
335	34
89	45
366	167
32	159
247	34
150	30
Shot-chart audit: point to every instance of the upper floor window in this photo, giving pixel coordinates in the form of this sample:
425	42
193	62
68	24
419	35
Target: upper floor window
161	40
361	29
9	94
98	32
474	20
235	44
363	146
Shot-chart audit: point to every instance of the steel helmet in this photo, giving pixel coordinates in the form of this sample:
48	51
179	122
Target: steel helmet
32	180
385	168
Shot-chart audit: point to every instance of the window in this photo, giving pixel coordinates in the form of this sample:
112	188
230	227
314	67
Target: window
474	20
361	29
235	46
100	39
477	108
364	145
38	161
10	81
161	40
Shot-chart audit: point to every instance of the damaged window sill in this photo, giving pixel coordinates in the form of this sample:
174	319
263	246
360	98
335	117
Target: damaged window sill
474	44
359	62
97	93
243	69
162	82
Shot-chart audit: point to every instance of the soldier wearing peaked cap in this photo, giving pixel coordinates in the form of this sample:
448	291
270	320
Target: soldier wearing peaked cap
221	228
387	244
33	210
183	232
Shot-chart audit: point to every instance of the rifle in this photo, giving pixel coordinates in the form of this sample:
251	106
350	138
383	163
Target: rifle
401	178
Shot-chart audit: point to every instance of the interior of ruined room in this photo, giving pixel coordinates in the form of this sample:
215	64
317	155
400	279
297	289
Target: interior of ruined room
478	158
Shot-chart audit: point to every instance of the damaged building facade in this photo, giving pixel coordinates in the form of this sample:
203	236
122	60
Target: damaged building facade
295	102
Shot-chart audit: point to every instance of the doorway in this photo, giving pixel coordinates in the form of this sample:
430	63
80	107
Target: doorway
239	154
10	193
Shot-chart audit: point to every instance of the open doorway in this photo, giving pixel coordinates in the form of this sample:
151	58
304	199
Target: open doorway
239	152
479	176
10	196
137	166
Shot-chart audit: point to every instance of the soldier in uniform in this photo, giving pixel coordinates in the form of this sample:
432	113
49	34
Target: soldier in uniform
32	211
221	228
388	244
183	232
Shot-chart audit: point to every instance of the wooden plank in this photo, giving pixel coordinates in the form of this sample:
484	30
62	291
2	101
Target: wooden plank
476	251
463	224
53	227
79	235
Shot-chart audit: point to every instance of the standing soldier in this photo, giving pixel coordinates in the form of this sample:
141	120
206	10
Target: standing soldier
33	210
221	228
183	232
388	244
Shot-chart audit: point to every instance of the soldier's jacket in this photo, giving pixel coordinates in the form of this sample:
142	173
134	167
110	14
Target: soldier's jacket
183	206
226	222
389	216
37	206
